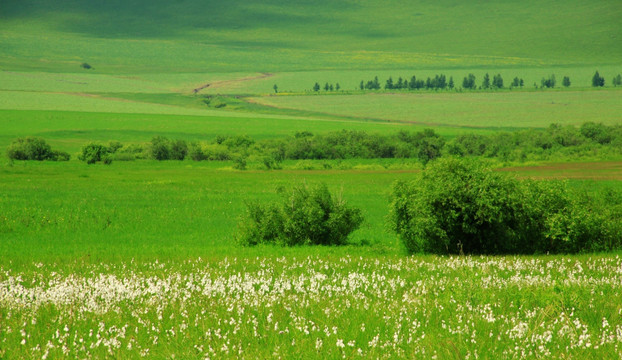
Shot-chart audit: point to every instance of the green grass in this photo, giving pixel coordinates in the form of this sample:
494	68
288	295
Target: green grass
502	109
69	130
138	258
309	306
198	36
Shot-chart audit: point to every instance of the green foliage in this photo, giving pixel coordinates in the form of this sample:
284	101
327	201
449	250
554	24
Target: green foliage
566	81
617	80
162	148
469	82
486	82
308	216
497	81
94	152
548	83
458	206
34	148
597	80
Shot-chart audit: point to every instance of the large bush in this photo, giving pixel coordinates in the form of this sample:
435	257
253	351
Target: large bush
94	152
34	148
307	216
459	206
162	148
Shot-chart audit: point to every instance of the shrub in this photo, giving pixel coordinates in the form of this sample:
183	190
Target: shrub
179	150
308	216
160	148
459	206
93	152
30	148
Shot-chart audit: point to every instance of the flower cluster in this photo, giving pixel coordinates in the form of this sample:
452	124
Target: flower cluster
315	307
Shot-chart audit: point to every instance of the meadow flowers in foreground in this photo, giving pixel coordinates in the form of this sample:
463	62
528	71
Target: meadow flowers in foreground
316	307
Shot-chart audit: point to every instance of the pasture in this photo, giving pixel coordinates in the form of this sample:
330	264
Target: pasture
138	259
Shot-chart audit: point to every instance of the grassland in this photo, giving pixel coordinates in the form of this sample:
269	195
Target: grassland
138	258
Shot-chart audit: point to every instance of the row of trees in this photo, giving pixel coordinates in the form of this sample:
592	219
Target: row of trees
554	142
327	87
599	81
440	82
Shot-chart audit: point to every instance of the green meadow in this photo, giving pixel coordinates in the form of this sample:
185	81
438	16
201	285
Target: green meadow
139	259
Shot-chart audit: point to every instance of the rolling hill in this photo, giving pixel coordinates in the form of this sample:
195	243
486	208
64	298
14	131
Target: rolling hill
206	36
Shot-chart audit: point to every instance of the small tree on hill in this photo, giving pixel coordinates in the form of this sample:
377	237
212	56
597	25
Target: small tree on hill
548	83
337	87
276	88
316	87
469	82
597	80
617	81
486	82
497	81
566	81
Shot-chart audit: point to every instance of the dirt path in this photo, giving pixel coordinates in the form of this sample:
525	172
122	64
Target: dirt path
222	83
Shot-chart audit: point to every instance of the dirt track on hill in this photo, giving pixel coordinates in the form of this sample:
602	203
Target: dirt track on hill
222	83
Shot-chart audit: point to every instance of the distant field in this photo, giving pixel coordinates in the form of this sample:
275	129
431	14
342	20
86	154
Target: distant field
158	36
504	109
69	130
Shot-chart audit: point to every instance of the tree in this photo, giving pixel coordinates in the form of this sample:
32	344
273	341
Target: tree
617	81
469	82
376	83
548	83
597	80
362	85
522	82
497	81
413	83
331	87
486	82
389	84
566	81
326	87
316	87
276	88
400	83
86	66
337	87
451	82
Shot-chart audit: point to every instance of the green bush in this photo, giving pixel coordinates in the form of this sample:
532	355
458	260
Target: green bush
29	148
160	148
308	216
460	206
94	152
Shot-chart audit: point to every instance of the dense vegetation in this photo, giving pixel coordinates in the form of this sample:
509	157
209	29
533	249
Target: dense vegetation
460	207
555	142
306	216
34	148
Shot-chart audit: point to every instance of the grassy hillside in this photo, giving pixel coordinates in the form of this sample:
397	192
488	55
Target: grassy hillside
276	35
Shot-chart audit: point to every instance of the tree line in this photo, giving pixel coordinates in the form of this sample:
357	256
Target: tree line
469	82
554	142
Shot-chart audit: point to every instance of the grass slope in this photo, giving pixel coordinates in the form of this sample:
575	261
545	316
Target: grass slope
277	35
